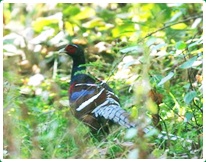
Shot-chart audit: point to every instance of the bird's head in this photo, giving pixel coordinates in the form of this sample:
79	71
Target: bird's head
73	50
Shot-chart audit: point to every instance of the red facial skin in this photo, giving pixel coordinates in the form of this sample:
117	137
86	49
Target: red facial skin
71	49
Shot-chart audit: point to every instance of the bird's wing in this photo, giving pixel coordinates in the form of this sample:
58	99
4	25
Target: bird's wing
99	100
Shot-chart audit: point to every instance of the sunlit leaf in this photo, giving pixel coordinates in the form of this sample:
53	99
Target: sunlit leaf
126	29
196	23
151	106
14	39
134	112
40	23
165	79
94	23
87	12
190	96
69	28
56	39
10	48
179	26
189	63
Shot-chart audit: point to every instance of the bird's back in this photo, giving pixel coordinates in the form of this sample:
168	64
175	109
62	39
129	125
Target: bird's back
95	104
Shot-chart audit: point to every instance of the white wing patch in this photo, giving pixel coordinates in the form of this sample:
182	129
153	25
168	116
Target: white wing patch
84	104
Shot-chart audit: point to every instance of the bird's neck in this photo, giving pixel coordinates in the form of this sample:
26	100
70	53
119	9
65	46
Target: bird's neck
77	65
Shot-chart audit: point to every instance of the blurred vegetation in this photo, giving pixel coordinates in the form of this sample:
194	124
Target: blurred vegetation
134	47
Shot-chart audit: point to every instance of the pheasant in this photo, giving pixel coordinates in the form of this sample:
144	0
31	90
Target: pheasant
92	101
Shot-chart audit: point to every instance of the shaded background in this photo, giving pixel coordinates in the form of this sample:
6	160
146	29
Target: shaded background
134	47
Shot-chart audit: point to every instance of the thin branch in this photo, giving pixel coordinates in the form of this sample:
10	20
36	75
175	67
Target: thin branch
167	106
169	25
165	26
189	71
114	67
167	132
199	108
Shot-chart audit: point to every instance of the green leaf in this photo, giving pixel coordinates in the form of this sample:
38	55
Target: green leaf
192	46
64	102
180	45
189	63
71	10
190	96
151	133
126	29
188	116
40	23
175	16
165	79
159	46
157	152
200	119
131	49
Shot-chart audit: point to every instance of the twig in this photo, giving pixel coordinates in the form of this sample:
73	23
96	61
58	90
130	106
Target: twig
114	67
167	132
167	106
189	71
166	26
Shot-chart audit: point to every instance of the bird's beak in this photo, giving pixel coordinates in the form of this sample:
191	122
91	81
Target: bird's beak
61	51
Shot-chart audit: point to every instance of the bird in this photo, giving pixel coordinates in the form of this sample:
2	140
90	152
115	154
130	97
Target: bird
91	100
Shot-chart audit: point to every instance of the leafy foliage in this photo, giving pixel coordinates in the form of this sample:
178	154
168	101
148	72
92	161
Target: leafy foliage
134	47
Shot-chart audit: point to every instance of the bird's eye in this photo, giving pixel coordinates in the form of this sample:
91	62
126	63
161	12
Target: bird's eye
71	49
